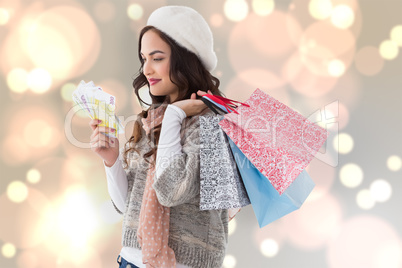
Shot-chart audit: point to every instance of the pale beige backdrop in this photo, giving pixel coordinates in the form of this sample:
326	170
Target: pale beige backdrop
334	61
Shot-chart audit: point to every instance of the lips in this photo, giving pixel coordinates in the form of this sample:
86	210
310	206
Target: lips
153	81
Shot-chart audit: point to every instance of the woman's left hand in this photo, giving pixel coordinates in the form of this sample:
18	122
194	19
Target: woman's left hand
192	106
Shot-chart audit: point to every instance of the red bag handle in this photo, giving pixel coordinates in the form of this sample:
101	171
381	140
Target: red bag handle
227	103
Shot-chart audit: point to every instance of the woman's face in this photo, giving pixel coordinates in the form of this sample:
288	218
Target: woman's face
156	55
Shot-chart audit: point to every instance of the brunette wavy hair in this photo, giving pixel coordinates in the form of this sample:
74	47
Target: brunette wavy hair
186	72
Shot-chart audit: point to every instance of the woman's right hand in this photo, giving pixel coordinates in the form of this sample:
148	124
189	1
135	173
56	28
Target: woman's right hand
106	147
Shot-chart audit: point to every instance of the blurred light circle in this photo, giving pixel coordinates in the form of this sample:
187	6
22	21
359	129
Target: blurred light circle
15	150
275	232
345	142
232	226
349	90
321	43
396	34
389	255
12	51
394	163
342	16
105	11
33	176
46	131
77	220
37	133
67	91
309	11
44	54
78	257
389	49
380	190
268	40
322	119
229	261
17	191
135	11
17	80
320	9
235	10
330	116
314	224
269	248
361	243
64	40
8	250
4	16
302	75
368	61
351	175
274	36
75	169
364	199
51	170
263	7
28	259
260	78
240	89
39	80
336	68
343	118
216	20
323	176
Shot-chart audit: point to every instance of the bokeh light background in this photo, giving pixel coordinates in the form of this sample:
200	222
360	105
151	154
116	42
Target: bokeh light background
335	61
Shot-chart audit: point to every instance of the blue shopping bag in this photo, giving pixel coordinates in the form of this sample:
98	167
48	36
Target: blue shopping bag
267	204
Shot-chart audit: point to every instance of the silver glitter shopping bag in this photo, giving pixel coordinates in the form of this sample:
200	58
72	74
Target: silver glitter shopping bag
221	183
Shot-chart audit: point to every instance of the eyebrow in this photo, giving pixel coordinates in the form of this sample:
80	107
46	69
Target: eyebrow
154	52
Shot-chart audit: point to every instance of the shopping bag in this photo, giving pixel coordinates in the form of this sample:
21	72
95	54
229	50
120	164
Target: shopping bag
221	186
278	141
267	203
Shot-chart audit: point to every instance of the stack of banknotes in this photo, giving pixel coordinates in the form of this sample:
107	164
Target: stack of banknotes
98	105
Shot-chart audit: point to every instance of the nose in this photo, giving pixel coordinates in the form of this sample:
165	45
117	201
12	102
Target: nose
147	68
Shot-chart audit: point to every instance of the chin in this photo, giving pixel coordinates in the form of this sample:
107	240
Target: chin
158	94
155	92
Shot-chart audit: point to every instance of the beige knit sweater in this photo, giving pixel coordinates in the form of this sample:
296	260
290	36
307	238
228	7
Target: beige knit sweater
198	238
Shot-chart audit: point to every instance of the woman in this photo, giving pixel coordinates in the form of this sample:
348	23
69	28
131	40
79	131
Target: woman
158	189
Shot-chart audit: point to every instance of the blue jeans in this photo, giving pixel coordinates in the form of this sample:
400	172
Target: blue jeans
125	264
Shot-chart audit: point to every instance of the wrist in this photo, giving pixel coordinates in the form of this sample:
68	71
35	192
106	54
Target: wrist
109	162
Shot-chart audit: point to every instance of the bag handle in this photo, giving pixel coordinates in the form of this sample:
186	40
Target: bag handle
225	102
213	106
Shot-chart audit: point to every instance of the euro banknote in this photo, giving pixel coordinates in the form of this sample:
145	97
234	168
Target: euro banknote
98	104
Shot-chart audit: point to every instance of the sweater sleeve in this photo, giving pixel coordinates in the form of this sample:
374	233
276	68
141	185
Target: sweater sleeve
177	182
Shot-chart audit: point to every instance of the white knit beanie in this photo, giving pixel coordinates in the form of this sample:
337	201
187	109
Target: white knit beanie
189	29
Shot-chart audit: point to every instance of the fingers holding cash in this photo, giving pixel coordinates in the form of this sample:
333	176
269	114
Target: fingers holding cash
96	128
106	146
100	107
100	137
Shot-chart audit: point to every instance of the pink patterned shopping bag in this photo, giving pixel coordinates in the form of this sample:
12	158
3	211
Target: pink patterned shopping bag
277	140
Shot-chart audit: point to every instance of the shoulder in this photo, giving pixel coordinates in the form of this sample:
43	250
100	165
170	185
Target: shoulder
193	122
190	129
